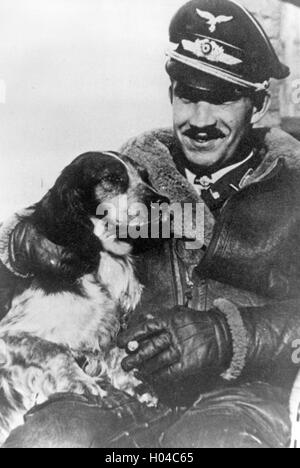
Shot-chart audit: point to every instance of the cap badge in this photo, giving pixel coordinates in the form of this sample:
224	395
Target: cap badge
210	50
212	20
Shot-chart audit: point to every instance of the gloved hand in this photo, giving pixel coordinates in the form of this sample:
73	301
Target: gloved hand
32	253
179	351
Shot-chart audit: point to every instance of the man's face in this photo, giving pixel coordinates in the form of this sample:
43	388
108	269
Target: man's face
210	129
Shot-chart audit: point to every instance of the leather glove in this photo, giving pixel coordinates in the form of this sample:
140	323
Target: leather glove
179	352
32	253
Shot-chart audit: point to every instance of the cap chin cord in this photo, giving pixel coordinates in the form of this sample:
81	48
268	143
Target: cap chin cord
215	71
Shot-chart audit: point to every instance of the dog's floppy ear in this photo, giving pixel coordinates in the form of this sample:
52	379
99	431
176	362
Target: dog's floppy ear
63	217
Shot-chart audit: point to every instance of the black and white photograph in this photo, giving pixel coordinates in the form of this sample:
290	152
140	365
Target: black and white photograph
150	226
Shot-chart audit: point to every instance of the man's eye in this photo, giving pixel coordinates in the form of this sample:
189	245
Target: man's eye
221	102
185	100
190	98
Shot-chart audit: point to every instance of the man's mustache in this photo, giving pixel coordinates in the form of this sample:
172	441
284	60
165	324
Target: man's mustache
209	133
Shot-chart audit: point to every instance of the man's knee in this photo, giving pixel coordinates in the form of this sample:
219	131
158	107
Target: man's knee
73	421
251	416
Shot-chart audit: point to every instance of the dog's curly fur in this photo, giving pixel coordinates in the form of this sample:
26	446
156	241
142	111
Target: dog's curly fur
58	321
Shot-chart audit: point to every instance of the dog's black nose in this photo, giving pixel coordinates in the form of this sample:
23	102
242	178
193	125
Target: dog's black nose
159	198
162	199
151	196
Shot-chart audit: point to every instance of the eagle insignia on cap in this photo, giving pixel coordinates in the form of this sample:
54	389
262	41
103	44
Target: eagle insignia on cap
210	50
212	20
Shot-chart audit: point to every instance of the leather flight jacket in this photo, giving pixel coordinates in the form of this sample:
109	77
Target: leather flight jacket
252	260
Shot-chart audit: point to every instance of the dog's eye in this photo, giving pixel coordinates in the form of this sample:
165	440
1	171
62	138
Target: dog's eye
109	178
112	178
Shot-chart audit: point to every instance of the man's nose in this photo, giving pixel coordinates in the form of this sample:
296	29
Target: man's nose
202	115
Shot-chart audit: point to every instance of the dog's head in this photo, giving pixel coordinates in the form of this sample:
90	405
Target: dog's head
95	198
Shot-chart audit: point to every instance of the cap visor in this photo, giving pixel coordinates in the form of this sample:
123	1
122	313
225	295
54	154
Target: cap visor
199	79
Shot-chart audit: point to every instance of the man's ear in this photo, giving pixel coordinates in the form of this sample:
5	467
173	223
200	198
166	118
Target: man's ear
259	112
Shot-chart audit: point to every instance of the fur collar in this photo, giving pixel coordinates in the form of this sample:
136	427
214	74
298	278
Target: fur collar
157	151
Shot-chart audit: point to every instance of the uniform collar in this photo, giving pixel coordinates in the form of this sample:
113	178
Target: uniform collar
217	188
214	178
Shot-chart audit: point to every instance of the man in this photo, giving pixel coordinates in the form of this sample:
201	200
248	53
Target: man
220	321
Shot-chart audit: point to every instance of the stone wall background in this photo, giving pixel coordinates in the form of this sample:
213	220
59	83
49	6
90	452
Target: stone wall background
281	20
290	36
